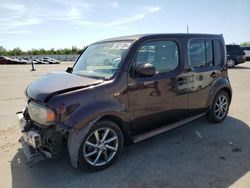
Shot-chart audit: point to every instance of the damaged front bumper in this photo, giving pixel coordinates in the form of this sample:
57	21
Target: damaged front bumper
30	142
34	141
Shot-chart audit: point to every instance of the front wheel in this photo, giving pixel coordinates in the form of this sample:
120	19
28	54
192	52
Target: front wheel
219	108
101	146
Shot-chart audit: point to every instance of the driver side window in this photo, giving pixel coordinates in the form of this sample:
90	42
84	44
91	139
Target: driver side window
164	55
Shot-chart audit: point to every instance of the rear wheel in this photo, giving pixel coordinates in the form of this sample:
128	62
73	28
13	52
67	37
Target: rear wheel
230	63
101	146
219	108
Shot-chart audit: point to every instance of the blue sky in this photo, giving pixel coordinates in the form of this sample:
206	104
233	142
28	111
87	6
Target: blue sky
58	24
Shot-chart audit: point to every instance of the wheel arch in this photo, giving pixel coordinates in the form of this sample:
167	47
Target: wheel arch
75	137
228	91
220	85
125	128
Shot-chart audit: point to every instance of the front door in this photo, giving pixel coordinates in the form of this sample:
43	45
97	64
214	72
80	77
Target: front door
160	99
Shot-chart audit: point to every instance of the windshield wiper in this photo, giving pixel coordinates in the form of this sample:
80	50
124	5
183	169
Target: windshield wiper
94	77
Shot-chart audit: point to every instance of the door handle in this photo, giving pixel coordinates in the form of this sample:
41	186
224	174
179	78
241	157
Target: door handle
181	81
213	74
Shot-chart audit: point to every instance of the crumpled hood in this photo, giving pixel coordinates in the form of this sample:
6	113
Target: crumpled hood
55	83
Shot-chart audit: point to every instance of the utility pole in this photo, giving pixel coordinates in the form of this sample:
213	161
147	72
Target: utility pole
187	29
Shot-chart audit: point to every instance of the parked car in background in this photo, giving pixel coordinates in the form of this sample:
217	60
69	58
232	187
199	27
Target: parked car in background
247	52
50	60
5	60
158	82
24	61
35	61
235	55
41	61
27	60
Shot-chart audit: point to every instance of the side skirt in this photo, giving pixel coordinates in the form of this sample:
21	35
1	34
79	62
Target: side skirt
165	128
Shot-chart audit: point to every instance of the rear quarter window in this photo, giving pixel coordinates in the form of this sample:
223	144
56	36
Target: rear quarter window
217	52
200	52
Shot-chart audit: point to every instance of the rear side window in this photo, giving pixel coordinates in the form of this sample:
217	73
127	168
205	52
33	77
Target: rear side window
200	53
164	55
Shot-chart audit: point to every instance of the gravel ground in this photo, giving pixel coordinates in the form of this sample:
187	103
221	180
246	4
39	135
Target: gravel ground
198	154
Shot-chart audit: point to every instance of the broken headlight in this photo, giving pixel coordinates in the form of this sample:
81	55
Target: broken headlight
41	114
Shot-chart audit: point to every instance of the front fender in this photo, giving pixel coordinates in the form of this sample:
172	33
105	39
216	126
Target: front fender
82	116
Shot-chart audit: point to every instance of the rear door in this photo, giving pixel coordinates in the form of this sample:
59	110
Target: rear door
160	99
205	62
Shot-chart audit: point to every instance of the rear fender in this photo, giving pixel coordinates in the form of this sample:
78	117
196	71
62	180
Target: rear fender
218	85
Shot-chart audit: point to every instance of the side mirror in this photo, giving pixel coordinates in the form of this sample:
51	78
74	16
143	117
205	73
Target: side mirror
145	70
69	70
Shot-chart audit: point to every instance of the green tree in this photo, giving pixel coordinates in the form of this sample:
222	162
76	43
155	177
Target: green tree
3	51
16	51
245	43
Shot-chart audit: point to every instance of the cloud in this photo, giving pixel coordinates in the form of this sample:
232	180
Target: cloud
74	14
17	8
13	16
25	22
10	26
122	20
114	4
15	32
17	18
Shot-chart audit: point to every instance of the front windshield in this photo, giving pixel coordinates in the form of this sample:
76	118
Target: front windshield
101	60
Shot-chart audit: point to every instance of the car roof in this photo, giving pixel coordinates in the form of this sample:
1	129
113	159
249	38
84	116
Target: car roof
159	35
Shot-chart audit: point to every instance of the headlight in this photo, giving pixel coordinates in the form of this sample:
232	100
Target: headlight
41	114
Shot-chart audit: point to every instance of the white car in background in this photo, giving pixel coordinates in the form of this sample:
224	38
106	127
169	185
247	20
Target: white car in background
50	60
247	52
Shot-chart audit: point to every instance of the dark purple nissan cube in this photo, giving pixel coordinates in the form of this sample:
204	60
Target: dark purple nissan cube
123	90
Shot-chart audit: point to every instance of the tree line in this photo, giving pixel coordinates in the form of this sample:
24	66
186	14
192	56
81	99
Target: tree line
65	51
245	43
18	51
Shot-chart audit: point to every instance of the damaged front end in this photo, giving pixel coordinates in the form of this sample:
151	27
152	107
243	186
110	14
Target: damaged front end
39	142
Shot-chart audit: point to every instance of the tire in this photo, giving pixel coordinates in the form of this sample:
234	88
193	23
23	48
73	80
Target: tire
99	150
219	108
231	63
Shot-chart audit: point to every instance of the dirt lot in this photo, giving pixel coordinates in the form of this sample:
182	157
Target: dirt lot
198	154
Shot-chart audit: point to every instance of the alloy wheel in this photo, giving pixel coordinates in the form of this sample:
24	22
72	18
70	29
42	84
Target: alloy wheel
101	146
221	107
230	63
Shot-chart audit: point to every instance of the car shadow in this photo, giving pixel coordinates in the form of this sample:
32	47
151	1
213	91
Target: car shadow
198	154
241	67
